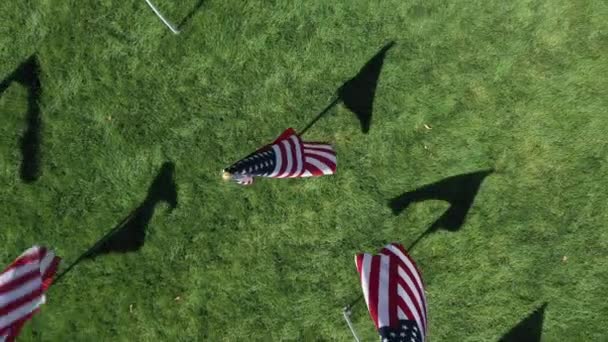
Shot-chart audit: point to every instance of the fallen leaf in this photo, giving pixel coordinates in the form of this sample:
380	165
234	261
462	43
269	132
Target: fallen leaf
178	298
564	259
427	127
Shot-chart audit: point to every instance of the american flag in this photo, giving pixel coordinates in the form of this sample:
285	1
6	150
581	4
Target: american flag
394	293
22	287
286	157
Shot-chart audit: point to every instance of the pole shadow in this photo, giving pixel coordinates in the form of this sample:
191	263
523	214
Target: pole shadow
190	14
28	75
320	115
129	235
528	330
358	93
459	191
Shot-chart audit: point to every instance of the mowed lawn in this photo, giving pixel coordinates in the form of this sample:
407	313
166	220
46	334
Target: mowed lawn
517	87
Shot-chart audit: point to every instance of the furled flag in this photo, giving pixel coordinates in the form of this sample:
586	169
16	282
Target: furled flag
22	287
286	157
394	293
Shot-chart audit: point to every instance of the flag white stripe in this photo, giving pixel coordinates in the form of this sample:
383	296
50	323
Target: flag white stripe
320	165
327	155
25	294
406	261
400	314
410	285
399	295
46	262
306	173
299	158
17	272
279	161
23	289
289	157
319	146
383	282
22	311
30	252
365	271
411	307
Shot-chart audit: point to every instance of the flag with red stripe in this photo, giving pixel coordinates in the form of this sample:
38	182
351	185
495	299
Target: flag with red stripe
394	293
22	289
287	157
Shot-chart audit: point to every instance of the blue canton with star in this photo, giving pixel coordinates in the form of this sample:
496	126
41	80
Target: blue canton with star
406	331
256	164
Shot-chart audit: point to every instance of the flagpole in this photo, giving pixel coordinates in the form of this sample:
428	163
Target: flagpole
349	306
346	313
160	16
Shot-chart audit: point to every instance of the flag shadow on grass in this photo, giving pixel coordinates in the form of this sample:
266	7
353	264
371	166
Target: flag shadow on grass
129	235
28	75
459	191
358	93
528	330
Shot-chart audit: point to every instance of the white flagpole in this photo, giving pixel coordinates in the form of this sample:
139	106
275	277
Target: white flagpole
346	312
165	21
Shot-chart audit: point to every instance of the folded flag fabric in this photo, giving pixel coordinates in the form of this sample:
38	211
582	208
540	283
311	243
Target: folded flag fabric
394	294
287	157
22	289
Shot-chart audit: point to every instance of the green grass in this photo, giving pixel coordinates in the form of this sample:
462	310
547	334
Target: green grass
520	87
